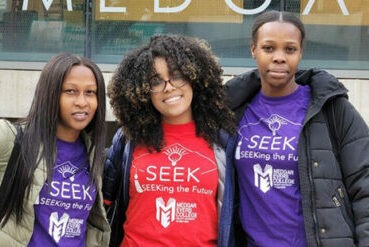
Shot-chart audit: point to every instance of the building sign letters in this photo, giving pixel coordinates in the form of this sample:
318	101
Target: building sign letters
319	12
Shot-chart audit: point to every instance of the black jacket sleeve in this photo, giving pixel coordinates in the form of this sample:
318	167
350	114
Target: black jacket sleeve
354	159
113	168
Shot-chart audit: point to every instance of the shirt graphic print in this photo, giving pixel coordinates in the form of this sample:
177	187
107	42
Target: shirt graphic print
266	160
173	194
270	147
63	205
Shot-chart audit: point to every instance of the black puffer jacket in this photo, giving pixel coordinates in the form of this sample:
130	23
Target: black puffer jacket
333	161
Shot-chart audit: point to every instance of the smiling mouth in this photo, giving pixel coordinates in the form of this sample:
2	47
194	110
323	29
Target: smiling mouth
172	100
80	115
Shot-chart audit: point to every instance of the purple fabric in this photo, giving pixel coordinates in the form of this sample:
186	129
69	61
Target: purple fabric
63	205
266	163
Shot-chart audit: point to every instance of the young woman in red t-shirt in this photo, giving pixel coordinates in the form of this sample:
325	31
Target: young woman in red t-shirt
165	168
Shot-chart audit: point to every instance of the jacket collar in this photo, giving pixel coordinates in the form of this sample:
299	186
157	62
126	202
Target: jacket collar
241	89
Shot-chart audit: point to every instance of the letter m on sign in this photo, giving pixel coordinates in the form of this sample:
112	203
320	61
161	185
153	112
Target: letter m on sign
165	213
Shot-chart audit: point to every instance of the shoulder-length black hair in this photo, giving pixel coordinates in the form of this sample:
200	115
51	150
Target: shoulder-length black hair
39	138
129	89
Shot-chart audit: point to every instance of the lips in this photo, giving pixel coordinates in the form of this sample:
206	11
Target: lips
172	100
80	116
278	73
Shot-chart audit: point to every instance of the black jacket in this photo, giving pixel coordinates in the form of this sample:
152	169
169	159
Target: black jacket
333	163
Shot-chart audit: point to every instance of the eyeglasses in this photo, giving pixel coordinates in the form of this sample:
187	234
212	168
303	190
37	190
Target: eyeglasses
158	85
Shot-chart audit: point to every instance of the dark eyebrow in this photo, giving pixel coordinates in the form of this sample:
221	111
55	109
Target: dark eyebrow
177	72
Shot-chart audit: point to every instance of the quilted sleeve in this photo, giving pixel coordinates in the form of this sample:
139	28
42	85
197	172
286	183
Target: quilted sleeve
354	159
113	168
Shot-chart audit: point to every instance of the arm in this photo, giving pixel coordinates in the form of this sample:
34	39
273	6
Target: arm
113	168
354	156
7	136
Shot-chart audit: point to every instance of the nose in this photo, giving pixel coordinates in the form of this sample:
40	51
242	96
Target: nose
168	86
81	100
279	57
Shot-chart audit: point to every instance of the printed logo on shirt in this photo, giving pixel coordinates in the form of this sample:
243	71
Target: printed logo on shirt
266	178
67	189
175	154
173	182
64	226
165	213
174	173
275	122
262	146
67	170
182	212
64	203
66	194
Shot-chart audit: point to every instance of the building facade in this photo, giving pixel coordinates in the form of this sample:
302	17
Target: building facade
32	31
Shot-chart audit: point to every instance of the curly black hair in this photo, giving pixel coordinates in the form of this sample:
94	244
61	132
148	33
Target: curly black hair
129	89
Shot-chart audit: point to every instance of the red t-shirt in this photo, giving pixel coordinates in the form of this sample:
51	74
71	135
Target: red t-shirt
173	193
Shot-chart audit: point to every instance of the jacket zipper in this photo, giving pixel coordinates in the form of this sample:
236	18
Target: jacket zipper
339	201
127	166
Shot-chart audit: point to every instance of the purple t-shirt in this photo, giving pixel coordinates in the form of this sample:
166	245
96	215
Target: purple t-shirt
266	163
63	205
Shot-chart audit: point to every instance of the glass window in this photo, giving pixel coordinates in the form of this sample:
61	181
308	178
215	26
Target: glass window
36	30
337	30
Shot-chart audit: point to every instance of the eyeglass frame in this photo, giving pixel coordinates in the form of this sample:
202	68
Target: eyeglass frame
171	80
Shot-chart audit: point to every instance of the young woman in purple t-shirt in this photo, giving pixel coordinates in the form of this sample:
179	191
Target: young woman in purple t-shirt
301	155
51	194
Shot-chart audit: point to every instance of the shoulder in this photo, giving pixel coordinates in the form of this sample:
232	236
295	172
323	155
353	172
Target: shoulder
314	74
117	145
321	82
244	80
118	140
7	136
223	137
343	109
118	136
242	87
6	126
350	126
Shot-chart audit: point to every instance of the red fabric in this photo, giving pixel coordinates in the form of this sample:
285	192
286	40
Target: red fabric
107	202
173	199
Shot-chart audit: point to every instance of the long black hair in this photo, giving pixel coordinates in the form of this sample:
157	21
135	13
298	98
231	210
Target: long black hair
39	138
